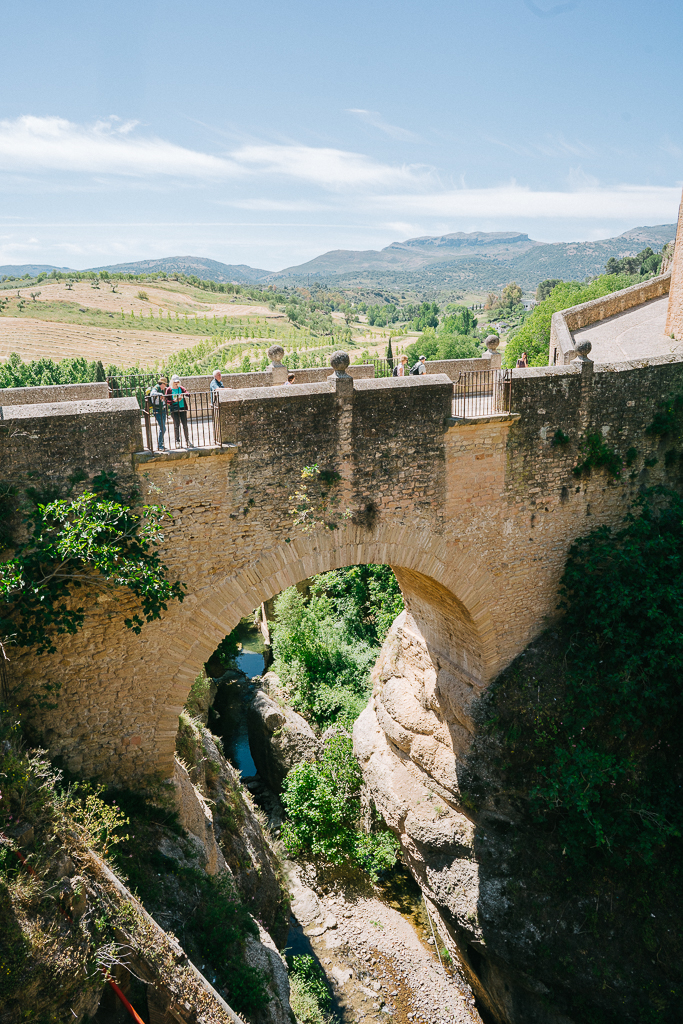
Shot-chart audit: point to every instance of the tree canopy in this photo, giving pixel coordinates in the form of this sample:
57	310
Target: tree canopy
98	541
533	337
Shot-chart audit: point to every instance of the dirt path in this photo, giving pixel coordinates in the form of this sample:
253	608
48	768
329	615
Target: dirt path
377	965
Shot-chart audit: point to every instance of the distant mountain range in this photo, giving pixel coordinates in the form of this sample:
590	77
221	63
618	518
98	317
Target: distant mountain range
12	270
206	270
474	262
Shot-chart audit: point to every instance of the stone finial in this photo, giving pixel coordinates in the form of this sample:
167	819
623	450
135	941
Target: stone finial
492	342
275	354
582	349
339	361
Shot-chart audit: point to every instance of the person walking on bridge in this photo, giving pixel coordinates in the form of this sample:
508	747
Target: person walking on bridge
176	396
157	401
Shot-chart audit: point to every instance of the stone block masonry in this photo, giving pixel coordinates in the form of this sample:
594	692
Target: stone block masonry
475	519
53	393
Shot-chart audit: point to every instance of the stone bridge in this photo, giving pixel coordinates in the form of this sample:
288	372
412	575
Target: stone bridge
474	516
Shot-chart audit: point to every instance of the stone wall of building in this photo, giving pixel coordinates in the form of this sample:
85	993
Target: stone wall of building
674	318
475	519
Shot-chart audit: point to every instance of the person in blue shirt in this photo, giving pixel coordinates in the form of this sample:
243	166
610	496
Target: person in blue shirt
177	403
216	382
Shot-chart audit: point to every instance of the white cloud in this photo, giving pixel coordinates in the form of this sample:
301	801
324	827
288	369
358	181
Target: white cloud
40	144
107	147
633	203
281	205
374	118
331	168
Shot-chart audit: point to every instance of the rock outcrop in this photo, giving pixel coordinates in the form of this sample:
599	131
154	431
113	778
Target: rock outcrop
410	742
279	739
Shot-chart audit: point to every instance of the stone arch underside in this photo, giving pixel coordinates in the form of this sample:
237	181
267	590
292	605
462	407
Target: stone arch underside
448	599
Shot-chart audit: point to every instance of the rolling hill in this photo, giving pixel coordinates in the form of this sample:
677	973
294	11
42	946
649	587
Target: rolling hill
205	269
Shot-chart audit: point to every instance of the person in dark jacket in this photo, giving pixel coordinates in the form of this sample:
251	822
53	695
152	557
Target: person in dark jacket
176	396
157	401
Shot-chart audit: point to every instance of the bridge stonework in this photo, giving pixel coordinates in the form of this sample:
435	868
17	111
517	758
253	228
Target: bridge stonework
475	518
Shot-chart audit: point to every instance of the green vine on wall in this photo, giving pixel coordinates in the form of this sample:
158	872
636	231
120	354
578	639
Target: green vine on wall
598	455
317	508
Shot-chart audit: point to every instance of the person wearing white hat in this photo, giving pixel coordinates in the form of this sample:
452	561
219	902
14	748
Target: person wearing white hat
177	403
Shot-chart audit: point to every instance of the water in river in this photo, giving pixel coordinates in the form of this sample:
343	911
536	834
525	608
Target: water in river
229	718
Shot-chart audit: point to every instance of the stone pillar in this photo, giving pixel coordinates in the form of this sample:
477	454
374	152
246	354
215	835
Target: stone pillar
339	361
586	366
279	372
492	343
674	316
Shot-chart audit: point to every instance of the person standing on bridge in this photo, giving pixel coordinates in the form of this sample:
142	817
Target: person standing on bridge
177	403
401	369
420	367
216	382
157	401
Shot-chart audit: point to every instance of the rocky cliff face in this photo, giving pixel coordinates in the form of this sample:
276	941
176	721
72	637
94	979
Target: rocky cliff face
412	741
541	938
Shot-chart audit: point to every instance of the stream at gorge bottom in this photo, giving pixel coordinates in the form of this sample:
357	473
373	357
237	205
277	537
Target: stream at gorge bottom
379	951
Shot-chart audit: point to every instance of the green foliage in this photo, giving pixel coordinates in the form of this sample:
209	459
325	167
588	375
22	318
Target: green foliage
533	337
458	320
545	288
600	758
597	454
325	669
511	295
668	418
99	822
645	262
426	315
311	977
322	800
92	541
314	505
219	928
325	647
443	346
560	438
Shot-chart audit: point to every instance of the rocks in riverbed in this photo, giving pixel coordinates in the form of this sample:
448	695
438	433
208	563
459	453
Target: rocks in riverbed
279	739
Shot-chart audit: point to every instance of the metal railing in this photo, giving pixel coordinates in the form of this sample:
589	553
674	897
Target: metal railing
384	367
482	393
198	425
132	385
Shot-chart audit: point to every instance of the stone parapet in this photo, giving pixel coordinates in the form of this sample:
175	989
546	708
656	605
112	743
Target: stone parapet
53	393
566	321
266	378
53	443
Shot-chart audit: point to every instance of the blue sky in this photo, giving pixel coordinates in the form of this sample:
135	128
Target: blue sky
267	133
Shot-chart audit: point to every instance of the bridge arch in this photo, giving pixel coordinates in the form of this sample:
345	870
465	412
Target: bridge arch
448	598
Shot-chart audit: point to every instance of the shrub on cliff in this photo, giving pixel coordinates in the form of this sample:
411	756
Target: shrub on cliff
581	752
96	541
322	800
603	758
325	646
